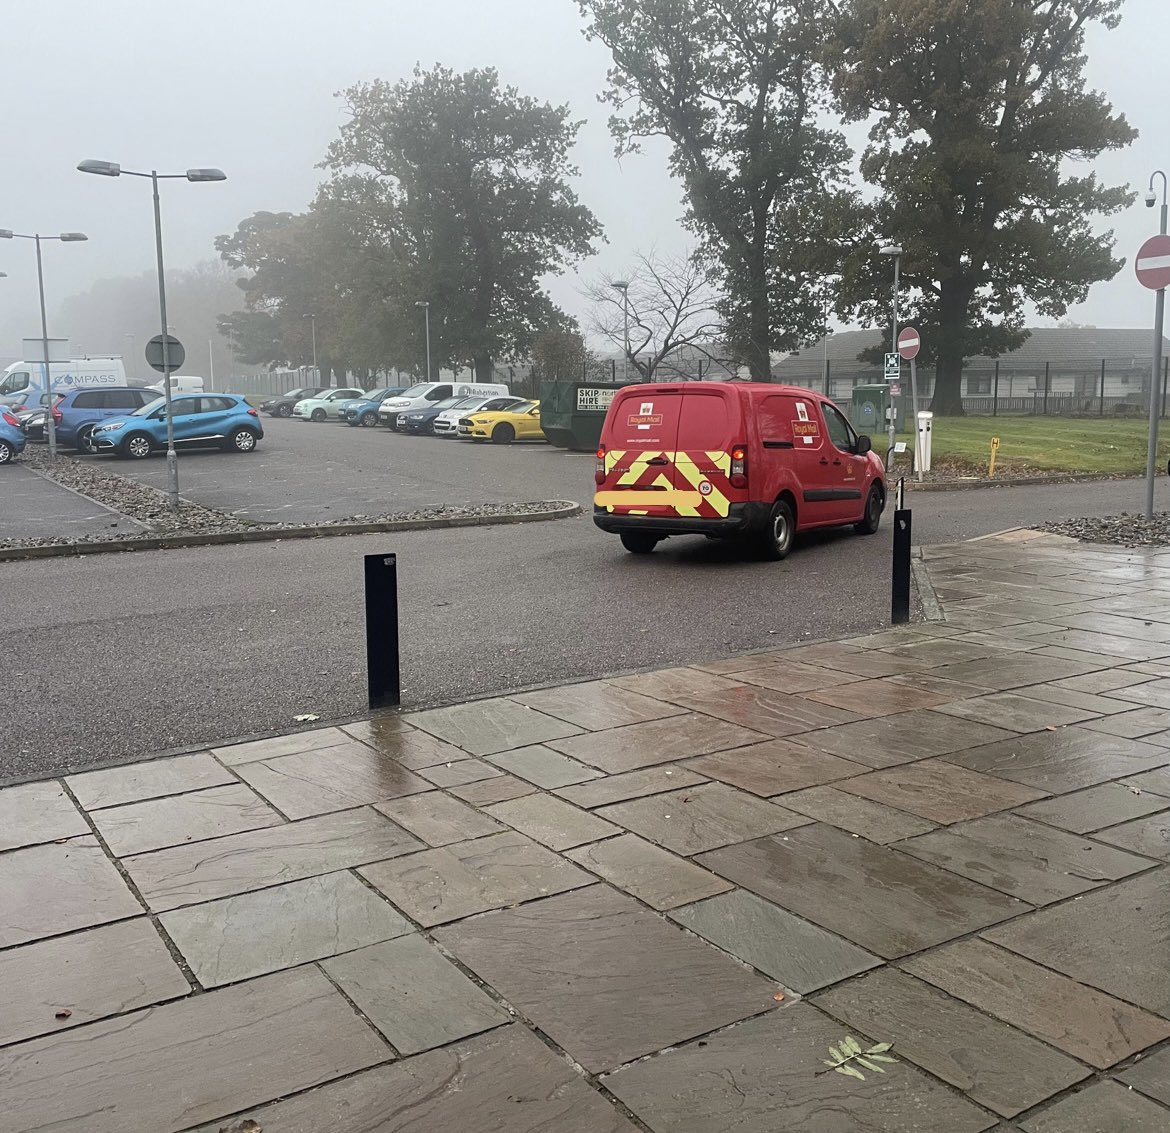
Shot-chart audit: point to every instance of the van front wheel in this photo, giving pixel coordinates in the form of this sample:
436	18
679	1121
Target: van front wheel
775	541
639	542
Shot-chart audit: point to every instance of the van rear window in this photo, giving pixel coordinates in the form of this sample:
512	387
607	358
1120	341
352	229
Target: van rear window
705	422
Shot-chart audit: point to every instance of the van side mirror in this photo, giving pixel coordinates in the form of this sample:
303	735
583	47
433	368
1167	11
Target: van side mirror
864	445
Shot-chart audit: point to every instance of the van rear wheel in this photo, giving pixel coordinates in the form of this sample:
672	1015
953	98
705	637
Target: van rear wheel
872	517
775	541
639	542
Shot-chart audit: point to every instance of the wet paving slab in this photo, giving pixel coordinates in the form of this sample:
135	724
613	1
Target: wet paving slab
667	901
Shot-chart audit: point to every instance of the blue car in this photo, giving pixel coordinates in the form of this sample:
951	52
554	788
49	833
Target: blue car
78	411
364	410
11	437
225	420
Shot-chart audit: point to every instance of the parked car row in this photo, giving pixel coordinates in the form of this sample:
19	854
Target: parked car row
467	410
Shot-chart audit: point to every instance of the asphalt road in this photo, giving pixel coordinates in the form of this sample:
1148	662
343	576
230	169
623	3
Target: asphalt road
151	651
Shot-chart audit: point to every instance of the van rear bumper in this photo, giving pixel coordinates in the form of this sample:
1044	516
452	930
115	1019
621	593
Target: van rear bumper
742	519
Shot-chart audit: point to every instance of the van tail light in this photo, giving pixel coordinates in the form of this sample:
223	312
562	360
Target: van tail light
738	466
599	471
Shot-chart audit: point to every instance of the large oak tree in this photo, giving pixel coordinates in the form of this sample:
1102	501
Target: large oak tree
979	107
738	89
466	185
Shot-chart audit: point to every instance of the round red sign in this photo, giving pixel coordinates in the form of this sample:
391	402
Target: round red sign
909	343
1152	264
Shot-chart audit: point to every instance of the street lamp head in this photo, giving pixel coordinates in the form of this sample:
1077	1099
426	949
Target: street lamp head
422	303
5	233
621	284
206	175
72	237
101	168
308	316
890	249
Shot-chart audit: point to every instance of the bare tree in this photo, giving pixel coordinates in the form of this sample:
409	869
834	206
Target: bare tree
672	315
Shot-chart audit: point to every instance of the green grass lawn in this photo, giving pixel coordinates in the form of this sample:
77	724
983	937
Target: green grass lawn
1105	445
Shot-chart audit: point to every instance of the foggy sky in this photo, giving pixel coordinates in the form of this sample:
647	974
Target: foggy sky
248	85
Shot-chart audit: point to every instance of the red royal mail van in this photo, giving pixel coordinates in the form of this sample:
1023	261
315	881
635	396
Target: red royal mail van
746	460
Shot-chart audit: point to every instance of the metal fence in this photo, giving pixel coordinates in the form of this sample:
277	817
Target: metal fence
1100	387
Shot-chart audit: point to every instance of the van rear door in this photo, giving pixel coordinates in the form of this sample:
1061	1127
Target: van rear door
710	426
640	433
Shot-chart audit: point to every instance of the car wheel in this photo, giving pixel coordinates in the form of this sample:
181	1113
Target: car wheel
872	517
318	415
639	542
136	446
369	419
240	440
775	541
6	453
503	435
85	439
283	411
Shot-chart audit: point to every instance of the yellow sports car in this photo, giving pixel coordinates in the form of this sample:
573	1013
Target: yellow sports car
516	423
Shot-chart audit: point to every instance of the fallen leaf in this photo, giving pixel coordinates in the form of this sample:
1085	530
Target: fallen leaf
306	716
779	997
1051	728
64	1013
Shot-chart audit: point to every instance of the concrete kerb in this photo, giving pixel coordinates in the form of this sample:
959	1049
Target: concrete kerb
563	510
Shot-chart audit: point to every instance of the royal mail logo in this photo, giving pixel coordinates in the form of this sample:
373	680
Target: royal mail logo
644	420
804	428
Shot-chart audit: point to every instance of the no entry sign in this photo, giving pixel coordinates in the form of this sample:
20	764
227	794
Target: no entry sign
909	343
1153	263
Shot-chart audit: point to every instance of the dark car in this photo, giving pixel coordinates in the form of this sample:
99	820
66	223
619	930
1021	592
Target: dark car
418	421
282	405
34	422
80	411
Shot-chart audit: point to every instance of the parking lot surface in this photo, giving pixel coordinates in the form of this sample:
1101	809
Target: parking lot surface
308	473
32	507
157	650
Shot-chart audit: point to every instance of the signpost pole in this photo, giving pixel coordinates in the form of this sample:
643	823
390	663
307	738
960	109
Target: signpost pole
172	456
1152	266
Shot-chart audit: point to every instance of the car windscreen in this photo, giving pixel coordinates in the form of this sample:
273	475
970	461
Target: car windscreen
149	407
468	403
417	391
447	403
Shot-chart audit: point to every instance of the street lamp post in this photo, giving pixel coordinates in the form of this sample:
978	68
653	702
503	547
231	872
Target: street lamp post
1155	373
113	169
66	238
623	285
894	250
425	305
313	324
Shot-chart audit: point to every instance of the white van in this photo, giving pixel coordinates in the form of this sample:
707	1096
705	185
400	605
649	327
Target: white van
180	383
425	394
79	373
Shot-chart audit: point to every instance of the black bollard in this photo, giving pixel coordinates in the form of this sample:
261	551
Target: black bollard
900	576
382	631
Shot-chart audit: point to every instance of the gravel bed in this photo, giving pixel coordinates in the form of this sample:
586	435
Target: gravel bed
148	506
1122	530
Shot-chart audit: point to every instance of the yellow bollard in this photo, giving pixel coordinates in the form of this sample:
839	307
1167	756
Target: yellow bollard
991	462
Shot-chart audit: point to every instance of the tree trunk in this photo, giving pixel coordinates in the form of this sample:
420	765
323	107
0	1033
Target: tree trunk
759	355
948	381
